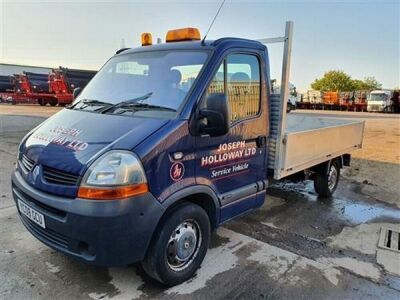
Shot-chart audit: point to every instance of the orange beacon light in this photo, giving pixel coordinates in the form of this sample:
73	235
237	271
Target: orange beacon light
147	39
183	34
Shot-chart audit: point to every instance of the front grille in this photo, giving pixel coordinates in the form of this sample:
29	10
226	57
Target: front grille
27	163
59	177
47	234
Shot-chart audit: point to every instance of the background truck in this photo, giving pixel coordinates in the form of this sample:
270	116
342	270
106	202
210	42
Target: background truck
346	101
6	88
312	100
292	96
166	143
32	87
360	100
63	81
380	101
330	100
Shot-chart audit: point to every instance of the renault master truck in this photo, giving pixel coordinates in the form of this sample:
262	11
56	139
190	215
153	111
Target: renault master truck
166	143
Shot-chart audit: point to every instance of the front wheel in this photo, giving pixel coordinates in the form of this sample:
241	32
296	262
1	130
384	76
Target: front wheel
325	183
179	245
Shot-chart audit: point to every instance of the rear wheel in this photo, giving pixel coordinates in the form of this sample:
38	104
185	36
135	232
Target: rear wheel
53	102
41	102
179	245
326	182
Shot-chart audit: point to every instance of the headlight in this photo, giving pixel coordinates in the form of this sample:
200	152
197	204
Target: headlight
115	175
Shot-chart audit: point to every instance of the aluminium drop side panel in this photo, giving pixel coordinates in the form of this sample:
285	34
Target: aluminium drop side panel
323	141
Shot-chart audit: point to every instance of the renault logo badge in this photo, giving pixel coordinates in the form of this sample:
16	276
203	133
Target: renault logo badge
35	173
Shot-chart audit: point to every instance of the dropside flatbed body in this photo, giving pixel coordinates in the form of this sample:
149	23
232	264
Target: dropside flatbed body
297	143
311	140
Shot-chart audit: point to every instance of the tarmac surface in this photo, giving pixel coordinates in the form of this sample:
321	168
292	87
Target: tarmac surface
296	246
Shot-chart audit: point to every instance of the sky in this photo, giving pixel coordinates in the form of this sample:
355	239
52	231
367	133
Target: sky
359	37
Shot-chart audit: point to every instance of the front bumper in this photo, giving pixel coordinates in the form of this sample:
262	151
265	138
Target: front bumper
375	108
104	233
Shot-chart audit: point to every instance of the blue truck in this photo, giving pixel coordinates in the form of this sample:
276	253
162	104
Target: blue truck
166	143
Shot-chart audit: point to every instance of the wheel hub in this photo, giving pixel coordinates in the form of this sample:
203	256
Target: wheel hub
183	245
332	178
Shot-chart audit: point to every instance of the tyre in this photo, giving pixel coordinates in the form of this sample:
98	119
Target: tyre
326	183
41	102
53	102
179	245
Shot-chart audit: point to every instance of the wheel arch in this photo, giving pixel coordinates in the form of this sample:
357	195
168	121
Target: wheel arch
201	195
323	168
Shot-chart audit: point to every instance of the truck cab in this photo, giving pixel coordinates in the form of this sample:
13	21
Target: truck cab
379	101
164	144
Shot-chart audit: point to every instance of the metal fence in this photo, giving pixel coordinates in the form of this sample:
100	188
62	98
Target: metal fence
244	98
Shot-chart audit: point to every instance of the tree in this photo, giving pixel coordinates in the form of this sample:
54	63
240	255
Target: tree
334	80
339	81
370	83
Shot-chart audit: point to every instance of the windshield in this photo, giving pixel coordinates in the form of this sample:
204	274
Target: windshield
378	97
153	79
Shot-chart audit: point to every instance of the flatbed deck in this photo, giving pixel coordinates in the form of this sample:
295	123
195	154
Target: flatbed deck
309	141
297	122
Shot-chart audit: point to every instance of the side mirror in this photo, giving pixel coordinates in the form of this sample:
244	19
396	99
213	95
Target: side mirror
76	92
215	116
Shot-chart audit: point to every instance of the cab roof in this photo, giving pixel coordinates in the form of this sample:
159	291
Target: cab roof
227	42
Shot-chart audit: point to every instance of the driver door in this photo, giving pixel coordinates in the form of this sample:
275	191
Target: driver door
233	164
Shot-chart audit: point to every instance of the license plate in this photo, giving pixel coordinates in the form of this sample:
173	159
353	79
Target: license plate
31	213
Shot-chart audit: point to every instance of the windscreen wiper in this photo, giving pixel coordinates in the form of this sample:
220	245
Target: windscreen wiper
127	102
90	102
143	106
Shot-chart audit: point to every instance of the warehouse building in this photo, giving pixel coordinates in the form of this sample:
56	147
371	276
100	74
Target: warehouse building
11	69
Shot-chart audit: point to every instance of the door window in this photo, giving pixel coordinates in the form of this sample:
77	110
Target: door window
243	86
217	84
242	77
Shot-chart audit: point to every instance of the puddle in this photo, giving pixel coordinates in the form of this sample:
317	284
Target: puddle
303	189
361	213
349	204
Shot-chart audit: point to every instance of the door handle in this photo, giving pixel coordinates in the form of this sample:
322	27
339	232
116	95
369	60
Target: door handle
261	141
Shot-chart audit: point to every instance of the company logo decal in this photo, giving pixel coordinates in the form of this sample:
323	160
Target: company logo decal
228	152
229	159
63	136
177	171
